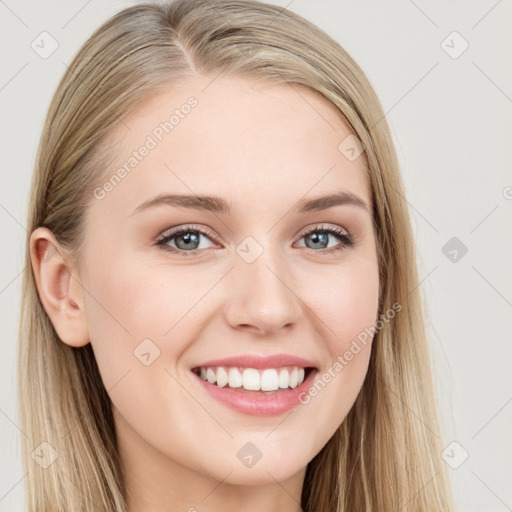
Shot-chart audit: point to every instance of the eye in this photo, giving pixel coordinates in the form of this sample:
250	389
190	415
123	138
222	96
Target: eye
318	237
187	239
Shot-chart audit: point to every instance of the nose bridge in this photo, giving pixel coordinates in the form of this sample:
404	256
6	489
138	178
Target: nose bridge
262	295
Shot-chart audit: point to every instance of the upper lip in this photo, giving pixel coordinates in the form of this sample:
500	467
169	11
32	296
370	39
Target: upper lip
256	361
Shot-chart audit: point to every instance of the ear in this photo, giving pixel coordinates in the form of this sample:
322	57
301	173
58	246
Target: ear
59	287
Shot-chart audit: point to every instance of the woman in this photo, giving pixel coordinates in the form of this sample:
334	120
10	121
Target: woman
220	306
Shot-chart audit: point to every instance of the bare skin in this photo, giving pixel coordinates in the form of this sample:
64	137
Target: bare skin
262	148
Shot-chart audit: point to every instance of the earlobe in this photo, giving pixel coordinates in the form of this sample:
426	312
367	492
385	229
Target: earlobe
60	292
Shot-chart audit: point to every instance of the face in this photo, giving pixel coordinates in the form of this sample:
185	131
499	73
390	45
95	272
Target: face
268	277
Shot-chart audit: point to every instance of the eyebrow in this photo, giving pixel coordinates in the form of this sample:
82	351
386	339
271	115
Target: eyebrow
218	205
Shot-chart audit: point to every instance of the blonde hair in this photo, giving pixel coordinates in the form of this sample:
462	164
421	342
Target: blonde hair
386	453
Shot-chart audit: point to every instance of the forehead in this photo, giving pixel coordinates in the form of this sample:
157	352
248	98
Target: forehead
251	142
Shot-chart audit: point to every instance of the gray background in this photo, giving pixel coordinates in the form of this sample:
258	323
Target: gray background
450	118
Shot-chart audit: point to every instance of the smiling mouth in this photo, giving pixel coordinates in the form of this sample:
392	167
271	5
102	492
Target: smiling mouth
254	381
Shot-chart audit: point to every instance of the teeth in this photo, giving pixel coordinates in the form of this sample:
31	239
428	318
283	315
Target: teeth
222	377
284	378
294	377
251	379
269	380
211	376
235	378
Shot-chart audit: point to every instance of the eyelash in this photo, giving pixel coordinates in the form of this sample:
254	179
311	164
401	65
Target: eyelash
346	239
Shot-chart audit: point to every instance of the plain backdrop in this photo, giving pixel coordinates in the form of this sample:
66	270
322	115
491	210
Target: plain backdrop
442	71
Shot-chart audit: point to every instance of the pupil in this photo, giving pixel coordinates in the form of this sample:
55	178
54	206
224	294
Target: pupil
318	238
189	239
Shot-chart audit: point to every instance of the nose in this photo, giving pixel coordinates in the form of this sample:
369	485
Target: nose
262	296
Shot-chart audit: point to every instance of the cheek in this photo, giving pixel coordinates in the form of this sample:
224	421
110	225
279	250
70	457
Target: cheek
131	301
346	301
129	295
348	309
352	308
137	317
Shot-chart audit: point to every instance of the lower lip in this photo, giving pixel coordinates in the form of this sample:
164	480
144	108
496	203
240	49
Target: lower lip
270	404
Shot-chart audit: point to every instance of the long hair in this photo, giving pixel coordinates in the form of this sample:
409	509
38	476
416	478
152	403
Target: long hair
386	453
